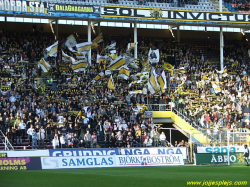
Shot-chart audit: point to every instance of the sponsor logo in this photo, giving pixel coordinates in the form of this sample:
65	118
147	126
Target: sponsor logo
234	149
156	13
179	15
20	163
149	160
23	6
77	162
155	151
83	152
217	158
87	161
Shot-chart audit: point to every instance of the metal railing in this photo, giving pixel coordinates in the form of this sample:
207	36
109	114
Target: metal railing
159	107
7	144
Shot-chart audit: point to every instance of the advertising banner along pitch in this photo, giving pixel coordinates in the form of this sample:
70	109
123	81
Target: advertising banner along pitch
111	161
25	163
219	158
83	152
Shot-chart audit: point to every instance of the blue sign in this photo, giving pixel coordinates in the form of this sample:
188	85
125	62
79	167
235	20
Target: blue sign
155	151
83	152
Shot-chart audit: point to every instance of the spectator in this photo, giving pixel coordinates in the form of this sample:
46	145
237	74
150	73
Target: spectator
148	142
55	142
88	139
34	139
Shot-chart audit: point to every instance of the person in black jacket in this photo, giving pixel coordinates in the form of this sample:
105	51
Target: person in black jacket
246	154
112	140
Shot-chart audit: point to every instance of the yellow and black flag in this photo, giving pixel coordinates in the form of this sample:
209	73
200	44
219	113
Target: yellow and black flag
44	65
111	84
124	73
99	76
52	50
117	63
153	85
86	46
101	60
79	65
96	41
67	58
162	81
131	46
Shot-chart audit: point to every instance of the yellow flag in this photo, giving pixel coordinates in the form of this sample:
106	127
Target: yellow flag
111	84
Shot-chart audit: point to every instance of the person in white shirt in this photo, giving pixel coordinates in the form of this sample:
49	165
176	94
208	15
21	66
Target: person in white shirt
62	141
124	125
61	122
29	132
22	126
148	142
55	142
163	139
119	126
246	154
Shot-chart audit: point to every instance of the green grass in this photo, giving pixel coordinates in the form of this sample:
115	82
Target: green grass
127	177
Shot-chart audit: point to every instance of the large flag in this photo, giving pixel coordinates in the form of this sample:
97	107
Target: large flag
44	65
169	67
79	65
153	85
111	84
154	56
101	60
117	63
124	73
52	50
162	81
86	46
131	46
67	58
71	41
97	40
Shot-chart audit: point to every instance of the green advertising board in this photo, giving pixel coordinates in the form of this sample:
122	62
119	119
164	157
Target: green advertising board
219	158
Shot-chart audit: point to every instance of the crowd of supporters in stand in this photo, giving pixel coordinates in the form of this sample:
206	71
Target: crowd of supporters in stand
240	5
112	117
175	3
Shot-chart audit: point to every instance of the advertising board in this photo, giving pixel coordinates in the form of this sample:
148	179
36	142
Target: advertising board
20	163
83	152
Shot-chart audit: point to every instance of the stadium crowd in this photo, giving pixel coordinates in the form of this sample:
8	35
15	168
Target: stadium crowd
240	5
69	110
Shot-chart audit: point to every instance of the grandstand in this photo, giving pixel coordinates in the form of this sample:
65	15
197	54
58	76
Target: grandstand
67	91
